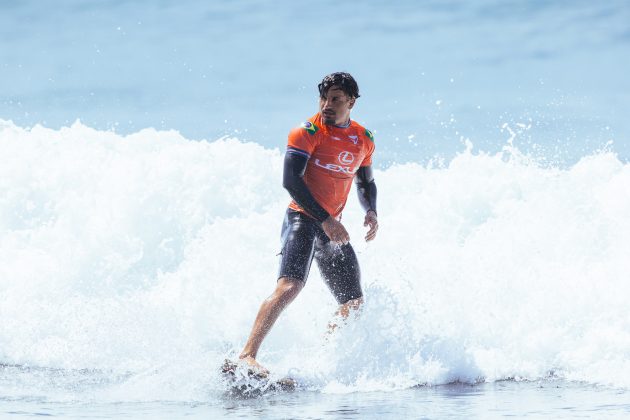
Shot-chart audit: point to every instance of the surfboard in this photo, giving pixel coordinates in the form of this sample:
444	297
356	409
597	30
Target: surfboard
242	380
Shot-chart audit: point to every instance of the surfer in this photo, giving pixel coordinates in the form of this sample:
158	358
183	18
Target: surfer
323	156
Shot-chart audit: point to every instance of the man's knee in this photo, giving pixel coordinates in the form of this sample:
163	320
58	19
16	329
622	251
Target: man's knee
288	288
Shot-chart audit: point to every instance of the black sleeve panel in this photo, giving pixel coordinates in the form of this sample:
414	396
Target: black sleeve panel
294	167
366	188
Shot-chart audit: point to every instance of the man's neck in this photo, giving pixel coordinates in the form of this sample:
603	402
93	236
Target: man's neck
344	125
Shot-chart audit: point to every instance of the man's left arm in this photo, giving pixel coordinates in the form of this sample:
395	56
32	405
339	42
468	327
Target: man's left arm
366	189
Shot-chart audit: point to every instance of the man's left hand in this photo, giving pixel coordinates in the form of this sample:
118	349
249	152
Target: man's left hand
371	221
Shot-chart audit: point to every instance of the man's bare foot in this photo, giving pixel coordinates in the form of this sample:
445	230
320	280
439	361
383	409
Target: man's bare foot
254	366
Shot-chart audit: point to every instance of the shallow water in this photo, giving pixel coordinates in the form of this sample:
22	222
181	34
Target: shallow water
541	399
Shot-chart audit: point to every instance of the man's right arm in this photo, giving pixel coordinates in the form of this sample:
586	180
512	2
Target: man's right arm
293	181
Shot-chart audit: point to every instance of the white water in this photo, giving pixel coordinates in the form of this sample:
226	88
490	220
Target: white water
143	259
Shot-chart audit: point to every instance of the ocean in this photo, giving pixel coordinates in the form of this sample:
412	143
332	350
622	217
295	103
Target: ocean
141	150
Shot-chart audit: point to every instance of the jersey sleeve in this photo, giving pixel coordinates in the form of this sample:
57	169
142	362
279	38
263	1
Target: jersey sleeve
369	144
302	141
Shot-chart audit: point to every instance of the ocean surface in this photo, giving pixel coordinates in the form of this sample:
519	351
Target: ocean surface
141	148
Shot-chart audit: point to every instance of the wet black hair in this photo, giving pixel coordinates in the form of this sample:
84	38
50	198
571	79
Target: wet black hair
345	82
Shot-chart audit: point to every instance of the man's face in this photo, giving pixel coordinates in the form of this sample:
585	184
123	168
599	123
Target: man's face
335	106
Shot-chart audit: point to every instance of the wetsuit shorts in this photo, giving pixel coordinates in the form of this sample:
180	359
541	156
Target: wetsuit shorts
302	239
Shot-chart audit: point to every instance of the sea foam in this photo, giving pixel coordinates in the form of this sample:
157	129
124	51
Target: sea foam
141	261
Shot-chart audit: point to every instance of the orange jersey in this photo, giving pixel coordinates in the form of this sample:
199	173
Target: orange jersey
334	156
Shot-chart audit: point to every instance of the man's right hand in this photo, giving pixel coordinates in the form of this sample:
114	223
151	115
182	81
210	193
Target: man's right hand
335	231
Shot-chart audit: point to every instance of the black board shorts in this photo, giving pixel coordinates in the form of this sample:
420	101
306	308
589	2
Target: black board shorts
302	239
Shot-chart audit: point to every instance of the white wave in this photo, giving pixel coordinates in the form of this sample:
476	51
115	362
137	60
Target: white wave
145	257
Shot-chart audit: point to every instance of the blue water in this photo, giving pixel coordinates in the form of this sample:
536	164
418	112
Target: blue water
431	73
134	254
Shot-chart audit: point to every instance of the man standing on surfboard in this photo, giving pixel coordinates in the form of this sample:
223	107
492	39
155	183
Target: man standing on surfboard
323	156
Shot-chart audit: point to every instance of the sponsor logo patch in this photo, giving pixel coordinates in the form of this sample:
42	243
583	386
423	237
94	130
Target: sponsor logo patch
346	158
352	139
369	134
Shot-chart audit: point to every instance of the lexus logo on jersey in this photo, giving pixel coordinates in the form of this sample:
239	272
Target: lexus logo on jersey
346	158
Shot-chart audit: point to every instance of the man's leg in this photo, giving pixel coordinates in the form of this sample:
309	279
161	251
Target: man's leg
340	269
286	291
352	305
343	312
298	241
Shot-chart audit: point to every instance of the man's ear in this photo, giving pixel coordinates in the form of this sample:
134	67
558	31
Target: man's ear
352	101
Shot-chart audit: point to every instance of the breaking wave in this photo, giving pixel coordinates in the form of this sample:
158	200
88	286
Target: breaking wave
130	266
